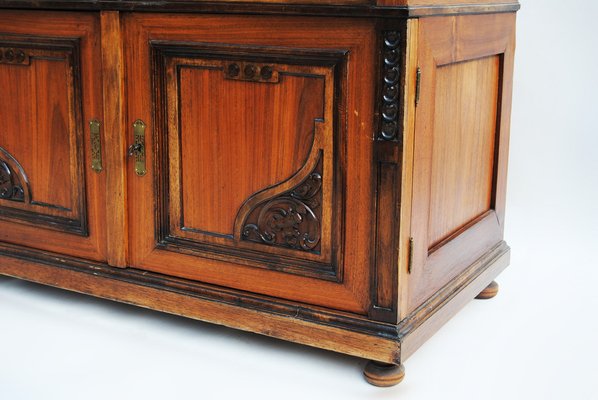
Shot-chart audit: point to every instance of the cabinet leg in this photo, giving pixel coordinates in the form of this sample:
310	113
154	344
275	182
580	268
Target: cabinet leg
490	291
383	375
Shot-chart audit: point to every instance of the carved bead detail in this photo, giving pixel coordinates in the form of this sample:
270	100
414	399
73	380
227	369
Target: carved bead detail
290	220
13	56
250	71
233	70
389	124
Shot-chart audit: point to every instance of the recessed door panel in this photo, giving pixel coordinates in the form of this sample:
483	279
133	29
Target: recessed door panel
242	152
49	195
237	137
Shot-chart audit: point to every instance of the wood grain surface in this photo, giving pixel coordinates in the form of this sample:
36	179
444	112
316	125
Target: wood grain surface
460	146
46	107
353	109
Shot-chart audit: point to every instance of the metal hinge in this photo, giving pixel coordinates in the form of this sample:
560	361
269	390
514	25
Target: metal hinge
410	256
418	85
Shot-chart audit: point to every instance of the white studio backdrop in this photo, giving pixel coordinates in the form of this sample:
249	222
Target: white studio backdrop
537	340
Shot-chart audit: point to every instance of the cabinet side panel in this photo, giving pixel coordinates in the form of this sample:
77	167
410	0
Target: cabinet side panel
463	145
461	139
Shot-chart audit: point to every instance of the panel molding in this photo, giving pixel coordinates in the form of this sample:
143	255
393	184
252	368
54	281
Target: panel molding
320	255
31	212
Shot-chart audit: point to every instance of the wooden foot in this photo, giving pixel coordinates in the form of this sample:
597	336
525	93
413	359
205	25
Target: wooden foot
488	293
383	375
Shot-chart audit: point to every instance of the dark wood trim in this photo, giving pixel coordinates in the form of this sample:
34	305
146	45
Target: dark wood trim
81	269
387	172
69	51
239	251
288	322
465	9
258	8
314	326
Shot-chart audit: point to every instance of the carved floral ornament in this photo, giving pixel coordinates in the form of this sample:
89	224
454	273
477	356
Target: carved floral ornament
290	220
12	179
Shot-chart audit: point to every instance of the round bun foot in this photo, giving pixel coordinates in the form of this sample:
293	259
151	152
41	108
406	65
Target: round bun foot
488	293
383	375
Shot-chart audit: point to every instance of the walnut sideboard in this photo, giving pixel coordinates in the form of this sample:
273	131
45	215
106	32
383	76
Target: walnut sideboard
328	172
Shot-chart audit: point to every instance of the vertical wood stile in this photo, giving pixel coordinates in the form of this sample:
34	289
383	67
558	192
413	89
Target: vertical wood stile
113	129
407	161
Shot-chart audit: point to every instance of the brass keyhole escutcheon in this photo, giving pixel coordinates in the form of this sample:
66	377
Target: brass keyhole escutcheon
137	149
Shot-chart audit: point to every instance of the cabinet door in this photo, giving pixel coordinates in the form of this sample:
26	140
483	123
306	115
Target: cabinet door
461	145
50	85
247	137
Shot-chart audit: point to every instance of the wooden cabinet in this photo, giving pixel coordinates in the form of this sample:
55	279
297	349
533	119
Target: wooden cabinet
332	175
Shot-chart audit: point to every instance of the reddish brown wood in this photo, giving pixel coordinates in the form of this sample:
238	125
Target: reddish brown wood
45	109
352	108
239	310
337	182
113	128
237	138
387	9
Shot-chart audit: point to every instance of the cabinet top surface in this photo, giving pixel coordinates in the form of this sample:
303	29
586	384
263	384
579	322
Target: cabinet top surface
373	8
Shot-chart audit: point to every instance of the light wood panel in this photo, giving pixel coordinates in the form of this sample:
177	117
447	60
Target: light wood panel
463	145
460	146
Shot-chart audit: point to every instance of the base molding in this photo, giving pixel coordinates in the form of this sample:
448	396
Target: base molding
341	332
313	326
429	317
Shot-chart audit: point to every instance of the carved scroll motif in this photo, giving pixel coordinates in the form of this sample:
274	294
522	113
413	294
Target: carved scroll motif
291	219
13	181
9	189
